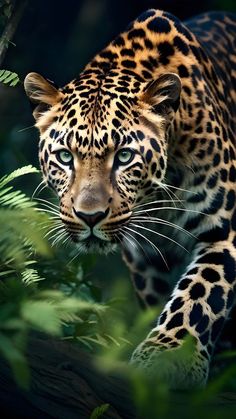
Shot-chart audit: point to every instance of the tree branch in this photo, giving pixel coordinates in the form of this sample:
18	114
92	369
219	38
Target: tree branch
64	384
11	27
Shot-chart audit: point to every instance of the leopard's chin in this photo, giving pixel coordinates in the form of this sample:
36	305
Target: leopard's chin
102	248
96	246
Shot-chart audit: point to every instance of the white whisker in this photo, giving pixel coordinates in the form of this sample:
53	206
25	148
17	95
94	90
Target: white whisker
163	187
74	257
179	189
155	220
159	234
170	208
136	241
44	205
149	241
26	128
42	185
59	237
53	229
49	204
56	234
161	201
49	211
66	240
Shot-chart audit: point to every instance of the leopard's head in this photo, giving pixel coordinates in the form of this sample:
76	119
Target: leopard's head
103	148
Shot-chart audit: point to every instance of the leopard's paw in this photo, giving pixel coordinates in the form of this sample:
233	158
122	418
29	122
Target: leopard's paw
178	367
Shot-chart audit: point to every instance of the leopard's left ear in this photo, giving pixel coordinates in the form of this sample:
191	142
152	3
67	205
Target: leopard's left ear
163	94
41	92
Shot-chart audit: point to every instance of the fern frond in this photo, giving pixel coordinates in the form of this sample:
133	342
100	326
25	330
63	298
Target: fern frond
99	411
20	233
41	315
30	275
15	199
17	173
26	301
51	309
21	230
9	78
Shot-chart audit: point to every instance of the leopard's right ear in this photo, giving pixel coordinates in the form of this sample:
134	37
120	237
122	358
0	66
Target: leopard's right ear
41	92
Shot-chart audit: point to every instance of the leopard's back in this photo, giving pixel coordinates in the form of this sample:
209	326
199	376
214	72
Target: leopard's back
216	32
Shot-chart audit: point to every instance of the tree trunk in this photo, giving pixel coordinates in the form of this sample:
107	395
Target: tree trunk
64	384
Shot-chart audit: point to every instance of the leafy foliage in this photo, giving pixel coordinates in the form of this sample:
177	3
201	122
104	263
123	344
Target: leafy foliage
25	303
99	411
45	290
8	77
20	224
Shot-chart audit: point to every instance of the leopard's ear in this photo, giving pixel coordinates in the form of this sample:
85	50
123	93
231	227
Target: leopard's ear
163	94
41	92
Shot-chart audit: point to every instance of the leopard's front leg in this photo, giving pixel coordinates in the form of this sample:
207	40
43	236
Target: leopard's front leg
199	306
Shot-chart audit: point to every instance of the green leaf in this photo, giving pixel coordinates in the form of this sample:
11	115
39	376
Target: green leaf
9	78
21	232
16	360
41	315
99	411
17	173
29	276
21	229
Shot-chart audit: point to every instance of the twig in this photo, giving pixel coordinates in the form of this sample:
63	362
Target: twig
11	27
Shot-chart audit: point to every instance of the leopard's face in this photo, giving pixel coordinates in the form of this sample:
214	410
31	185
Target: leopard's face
103	154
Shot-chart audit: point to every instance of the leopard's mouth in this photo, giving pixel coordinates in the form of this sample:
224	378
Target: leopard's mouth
94	244
96	240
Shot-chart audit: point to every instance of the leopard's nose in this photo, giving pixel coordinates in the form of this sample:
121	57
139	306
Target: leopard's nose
91	219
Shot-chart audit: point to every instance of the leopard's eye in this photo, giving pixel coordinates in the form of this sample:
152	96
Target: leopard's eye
64	157
125	156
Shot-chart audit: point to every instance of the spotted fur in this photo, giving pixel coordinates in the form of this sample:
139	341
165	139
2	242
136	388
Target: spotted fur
140	149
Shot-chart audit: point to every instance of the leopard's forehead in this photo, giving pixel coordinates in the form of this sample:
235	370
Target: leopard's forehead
99	111
95	95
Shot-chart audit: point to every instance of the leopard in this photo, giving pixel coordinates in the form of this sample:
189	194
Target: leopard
140	149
